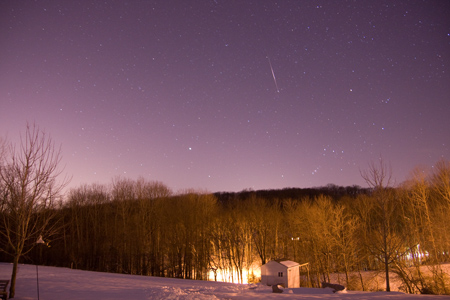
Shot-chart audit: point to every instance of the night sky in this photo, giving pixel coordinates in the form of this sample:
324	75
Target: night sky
229	95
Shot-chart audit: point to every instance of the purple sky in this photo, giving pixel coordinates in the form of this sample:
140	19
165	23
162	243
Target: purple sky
183	92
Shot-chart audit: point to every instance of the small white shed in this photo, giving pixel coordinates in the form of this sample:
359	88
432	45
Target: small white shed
285	273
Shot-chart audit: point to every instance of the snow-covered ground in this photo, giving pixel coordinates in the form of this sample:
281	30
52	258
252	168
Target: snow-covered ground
67	284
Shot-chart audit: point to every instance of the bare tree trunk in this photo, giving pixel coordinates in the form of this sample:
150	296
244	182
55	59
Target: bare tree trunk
386	269
12	287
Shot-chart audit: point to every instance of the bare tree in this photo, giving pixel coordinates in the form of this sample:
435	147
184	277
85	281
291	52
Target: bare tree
384	241
29	185
441	180
262	219
344	231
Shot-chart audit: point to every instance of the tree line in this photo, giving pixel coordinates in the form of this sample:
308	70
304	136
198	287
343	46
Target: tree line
142	227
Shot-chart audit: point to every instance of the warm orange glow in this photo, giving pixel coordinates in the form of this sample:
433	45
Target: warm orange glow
234	277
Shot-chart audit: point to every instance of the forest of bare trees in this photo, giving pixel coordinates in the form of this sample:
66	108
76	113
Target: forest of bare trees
142	227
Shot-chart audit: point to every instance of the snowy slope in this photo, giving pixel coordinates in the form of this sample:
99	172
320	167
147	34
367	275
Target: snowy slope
67	284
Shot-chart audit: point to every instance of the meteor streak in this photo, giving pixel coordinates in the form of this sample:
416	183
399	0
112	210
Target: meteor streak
273	75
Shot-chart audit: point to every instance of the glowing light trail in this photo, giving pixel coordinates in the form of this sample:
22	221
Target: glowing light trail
273	75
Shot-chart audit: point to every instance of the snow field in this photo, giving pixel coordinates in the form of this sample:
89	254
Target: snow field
67	284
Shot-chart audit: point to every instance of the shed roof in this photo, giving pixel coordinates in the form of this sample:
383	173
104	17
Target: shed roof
289	263
286	263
